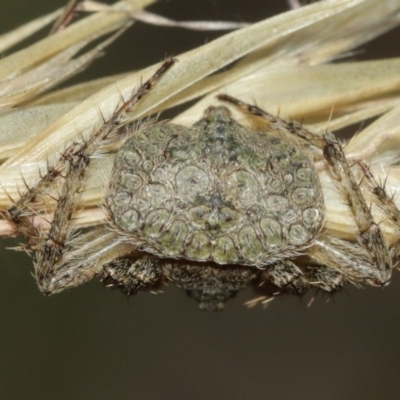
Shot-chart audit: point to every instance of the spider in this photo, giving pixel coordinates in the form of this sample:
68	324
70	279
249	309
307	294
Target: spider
212	207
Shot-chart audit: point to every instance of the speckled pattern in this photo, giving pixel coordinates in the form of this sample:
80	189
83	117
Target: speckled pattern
215	192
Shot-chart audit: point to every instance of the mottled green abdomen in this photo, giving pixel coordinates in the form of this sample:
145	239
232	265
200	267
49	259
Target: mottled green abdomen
215	192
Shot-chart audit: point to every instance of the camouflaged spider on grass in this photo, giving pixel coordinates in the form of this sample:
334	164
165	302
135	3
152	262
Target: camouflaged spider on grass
213	207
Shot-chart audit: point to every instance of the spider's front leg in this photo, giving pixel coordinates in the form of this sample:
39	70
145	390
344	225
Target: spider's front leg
56	270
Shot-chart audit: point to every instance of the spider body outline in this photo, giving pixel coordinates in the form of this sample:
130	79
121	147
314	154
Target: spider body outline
334	261
231	196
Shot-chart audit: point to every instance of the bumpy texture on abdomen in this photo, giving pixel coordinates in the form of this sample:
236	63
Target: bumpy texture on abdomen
215	192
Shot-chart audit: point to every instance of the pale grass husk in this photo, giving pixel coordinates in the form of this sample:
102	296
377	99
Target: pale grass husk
280	65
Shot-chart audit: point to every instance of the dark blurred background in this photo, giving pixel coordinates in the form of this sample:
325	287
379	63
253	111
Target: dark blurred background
94	343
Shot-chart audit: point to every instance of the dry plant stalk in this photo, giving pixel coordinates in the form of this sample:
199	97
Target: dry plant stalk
292	50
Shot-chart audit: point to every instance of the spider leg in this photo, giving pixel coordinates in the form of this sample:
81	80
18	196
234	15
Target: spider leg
371	237
84	260
351	260
385	202
334	262
102	253
51	248
133	275
288	276
326	279
293	127
20	213
285	274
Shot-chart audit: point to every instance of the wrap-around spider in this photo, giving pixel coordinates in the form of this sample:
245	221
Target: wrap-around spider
215	202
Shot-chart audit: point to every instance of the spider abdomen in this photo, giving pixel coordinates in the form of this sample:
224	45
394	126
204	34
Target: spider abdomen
215	192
